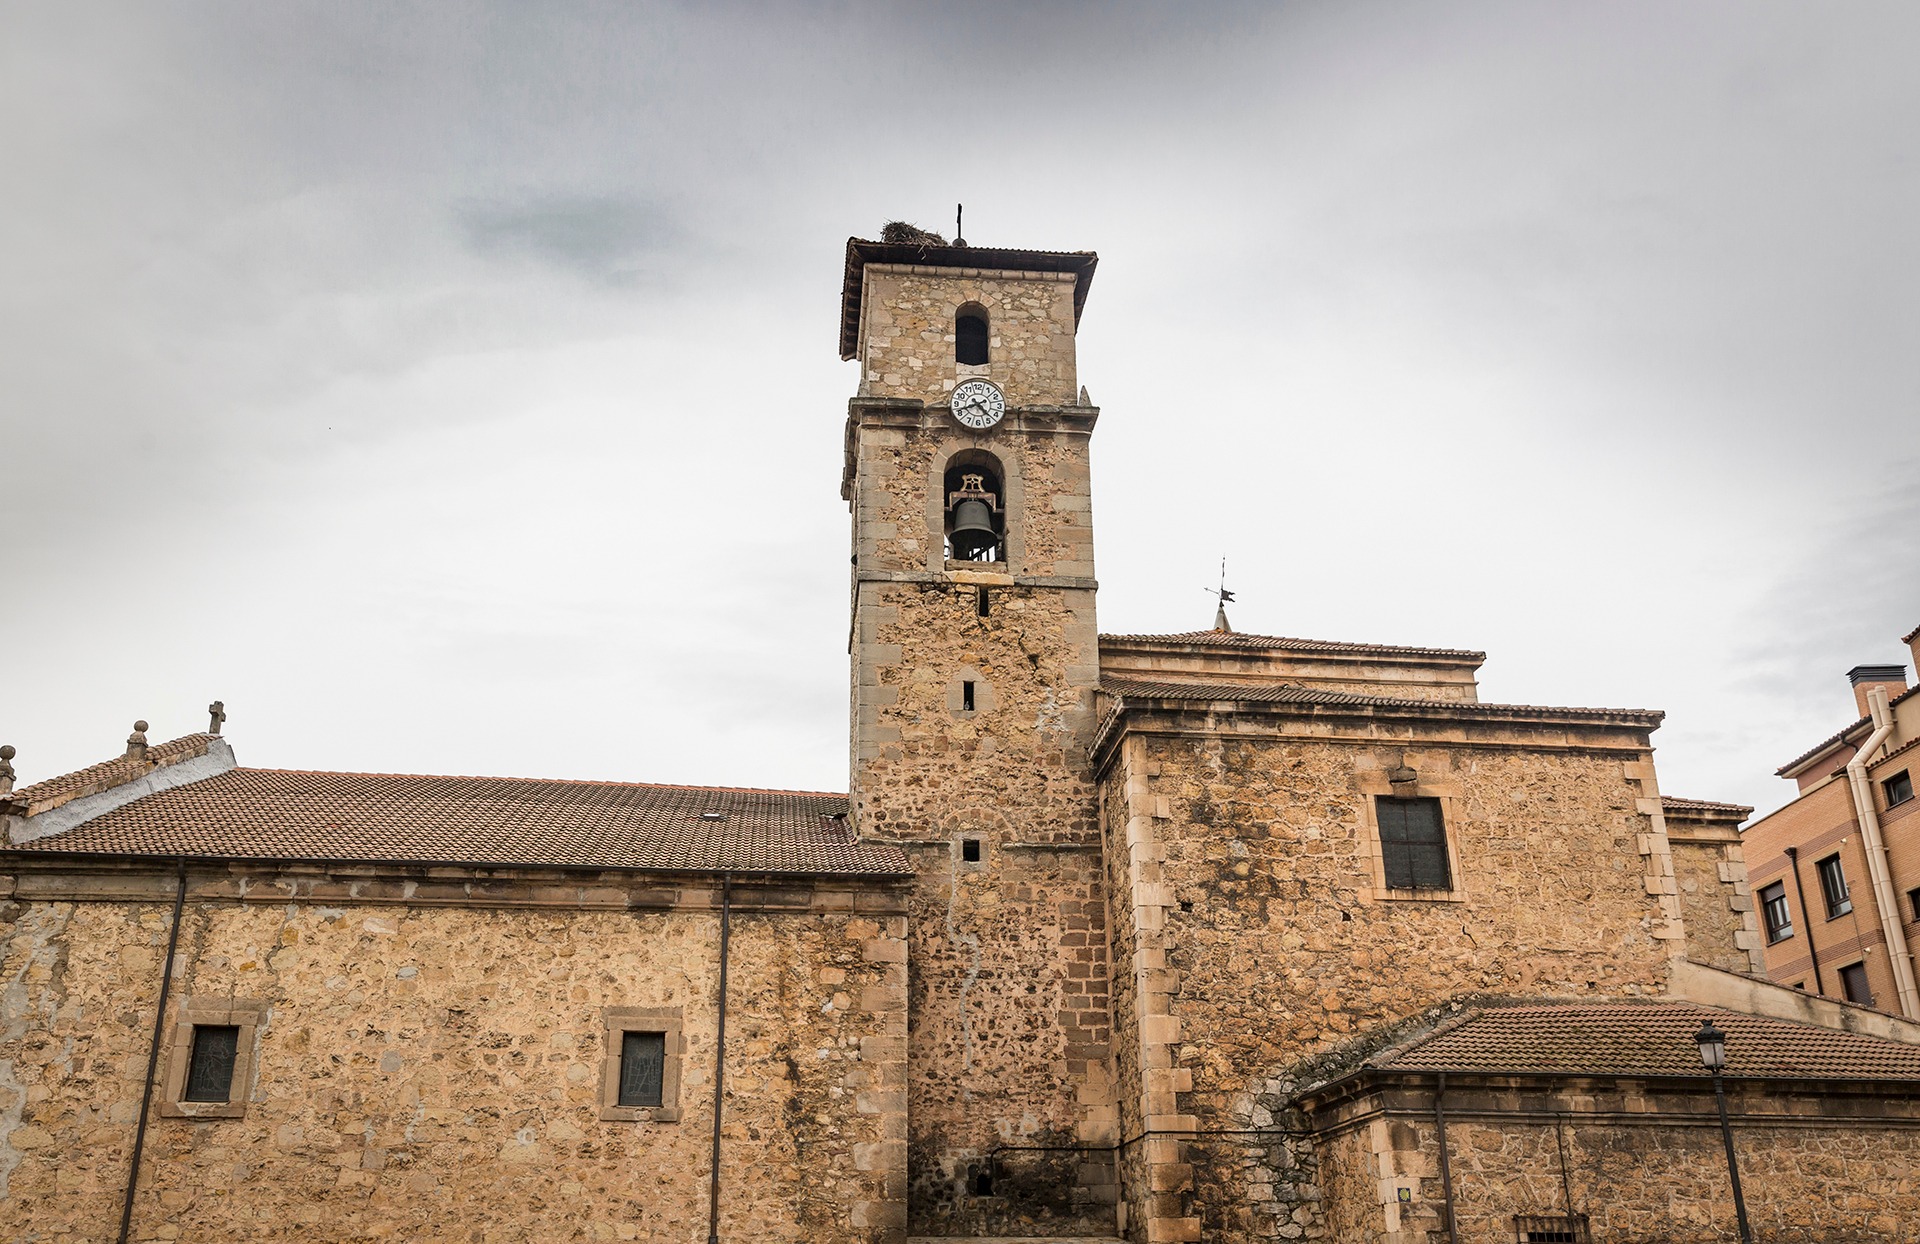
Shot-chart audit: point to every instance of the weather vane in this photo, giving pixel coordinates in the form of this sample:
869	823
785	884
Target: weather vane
959	210
1223	597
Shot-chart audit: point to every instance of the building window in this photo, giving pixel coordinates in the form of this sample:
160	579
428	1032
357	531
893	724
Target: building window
1899	788
1833	885
210	1064
1413	844
970	336
1913	901
1773	910
970	850
641	1079
643	1063
1550	1229
1853	979
209	1067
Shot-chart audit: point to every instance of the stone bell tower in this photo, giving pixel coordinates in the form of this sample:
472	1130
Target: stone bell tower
975	660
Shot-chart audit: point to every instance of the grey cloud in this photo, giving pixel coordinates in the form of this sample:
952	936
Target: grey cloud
601	238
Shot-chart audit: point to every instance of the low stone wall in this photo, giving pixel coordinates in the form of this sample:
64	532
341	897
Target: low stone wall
1643	1163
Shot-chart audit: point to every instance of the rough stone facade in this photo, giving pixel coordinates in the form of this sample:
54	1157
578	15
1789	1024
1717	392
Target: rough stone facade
1009	1019
1639	1162
1710	875
424	1072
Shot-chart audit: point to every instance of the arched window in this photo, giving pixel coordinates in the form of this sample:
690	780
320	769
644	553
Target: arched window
975	502
970	336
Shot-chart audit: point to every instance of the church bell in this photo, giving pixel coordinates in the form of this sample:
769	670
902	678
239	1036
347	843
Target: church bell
973	537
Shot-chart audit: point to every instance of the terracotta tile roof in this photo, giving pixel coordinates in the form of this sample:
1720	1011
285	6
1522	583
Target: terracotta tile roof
861	252
1292	693
1673	803
1834	740
1238	639
291	814
1646	1039
110	773
1909	637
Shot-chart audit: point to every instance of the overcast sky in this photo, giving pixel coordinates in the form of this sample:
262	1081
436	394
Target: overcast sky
453	388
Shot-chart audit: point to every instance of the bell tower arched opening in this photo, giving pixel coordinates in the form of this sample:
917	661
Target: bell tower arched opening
970	334
975	507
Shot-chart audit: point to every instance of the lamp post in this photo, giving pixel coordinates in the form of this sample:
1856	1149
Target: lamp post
1713	1052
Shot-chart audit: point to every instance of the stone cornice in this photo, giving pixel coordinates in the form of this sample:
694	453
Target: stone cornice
46	877
1439	723
912	413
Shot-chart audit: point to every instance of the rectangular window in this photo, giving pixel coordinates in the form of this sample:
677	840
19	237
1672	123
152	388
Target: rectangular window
1913	900
980	601
1899	788
1833	885
966	697
643	1063
640	1072
209	1058
970	850
1853	979
1773	910
1413	844
210	1066
1550	1229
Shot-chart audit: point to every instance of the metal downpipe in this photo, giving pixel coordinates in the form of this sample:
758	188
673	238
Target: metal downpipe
153	1054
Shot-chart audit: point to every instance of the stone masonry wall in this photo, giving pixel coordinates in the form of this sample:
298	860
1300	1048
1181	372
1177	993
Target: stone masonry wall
1717	904
1009	1015
907	337
434	1074
1283	947
1658	1178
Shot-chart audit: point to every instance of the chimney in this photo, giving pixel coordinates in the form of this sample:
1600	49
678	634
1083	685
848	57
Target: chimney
1866	677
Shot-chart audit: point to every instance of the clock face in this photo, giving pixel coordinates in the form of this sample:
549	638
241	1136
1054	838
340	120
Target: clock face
978	404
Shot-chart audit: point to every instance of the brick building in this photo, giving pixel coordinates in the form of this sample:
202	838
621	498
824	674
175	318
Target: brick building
1157	937
1836	873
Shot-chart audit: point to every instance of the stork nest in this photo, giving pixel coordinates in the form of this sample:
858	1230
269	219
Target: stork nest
899	231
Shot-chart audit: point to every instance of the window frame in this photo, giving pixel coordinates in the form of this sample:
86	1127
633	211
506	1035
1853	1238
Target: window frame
616	1022
246	1016
1374	784
1886	788
1846	984
1837	905
1782	932
1408	846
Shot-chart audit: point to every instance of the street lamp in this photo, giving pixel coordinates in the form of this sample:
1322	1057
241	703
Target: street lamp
1713	1053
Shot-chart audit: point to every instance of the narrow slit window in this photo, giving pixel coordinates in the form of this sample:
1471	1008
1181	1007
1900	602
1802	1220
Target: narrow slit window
970	850
210	1065
970	336
980	601
1413	844
966	697
643	1060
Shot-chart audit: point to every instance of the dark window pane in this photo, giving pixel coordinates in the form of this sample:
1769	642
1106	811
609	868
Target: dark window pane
1899	788
1833	884
1773	910
1853	979
210	1064
970	340
643	1062
1413	844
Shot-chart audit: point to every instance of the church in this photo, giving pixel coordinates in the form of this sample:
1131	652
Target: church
1204	936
